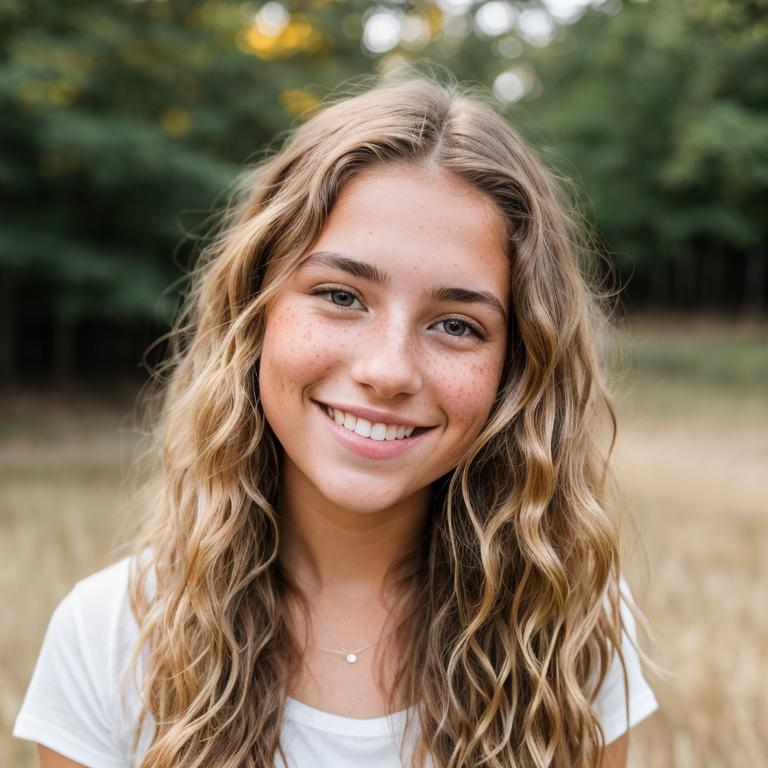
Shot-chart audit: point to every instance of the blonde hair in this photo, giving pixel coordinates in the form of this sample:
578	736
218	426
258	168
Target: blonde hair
517	578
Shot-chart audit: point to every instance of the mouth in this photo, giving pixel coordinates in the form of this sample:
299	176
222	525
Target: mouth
375	432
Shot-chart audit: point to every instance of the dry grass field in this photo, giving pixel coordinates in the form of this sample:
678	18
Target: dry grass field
692	465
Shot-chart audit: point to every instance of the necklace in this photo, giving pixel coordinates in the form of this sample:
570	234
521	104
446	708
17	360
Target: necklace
349	656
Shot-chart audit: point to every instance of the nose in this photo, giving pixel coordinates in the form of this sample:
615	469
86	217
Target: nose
388	362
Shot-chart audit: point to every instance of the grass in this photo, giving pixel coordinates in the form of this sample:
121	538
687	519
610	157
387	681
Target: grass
709	360
691	461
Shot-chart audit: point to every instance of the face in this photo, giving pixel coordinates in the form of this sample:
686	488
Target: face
383	354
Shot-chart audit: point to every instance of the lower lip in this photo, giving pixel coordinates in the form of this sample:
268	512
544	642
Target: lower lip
365	446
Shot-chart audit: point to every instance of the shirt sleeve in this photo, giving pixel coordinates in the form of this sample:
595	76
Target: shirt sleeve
610	701
66	706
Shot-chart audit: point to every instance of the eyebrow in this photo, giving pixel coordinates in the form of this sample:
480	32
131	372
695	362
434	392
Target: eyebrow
373	274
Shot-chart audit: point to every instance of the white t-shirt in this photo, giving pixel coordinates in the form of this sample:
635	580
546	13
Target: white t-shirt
73	703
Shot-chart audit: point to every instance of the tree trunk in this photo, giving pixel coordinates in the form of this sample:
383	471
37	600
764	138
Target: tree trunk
657	283
684	281
754	280
63	349
7	331
713	280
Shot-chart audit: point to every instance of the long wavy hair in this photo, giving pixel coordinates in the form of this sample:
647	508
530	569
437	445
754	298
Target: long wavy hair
510	605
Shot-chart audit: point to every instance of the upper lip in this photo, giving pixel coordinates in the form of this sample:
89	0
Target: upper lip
372	415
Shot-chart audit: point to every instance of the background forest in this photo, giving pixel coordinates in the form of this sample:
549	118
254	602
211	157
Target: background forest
122	123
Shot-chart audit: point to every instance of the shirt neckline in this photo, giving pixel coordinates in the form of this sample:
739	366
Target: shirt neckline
302	713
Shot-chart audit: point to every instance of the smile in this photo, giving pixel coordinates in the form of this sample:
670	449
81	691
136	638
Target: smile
364	438
372	430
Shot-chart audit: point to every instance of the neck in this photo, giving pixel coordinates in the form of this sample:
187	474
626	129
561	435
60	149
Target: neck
338	553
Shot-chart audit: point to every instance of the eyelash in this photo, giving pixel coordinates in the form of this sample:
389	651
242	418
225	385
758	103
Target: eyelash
474	329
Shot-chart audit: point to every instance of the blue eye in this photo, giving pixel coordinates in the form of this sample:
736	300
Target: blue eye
463	325
347	297
344	298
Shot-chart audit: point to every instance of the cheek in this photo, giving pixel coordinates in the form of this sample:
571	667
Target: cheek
294	353
467	393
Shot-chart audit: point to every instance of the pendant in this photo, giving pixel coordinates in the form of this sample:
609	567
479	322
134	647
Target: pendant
351	658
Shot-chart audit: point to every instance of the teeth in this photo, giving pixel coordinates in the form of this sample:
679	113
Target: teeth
364	428
378	431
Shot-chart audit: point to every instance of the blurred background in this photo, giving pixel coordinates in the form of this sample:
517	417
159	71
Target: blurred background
122	123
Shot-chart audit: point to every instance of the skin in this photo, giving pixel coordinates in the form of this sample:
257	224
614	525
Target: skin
347	518
339	338
617	753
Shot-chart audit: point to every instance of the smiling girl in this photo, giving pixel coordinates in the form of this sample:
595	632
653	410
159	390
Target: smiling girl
380	537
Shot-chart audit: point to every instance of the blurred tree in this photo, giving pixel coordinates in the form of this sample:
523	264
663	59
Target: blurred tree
122	123
662	110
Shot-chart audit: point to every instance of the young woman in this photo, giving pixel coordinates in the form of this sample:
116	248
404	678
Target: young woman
380	535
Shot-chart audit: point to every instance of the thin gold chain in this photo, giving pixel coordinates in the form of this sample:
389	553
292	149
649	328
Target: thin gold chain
342	651
339	645
340	648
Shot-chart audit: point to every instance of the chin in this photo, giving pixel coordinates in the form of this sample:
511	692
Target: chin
362	497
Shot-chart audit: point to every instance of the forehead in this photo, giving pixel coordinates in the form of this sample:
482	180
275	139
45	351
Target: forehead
419	225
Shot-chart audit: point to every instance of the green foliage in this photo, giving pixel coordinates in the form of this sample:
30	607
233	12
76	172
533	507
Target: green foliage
728	362
661	111
123	122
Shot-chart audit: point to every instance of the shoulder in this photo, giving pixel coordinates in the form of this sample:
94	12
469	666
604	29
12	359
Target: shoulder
92	631
99	608
100	591
72	704
620	704
101	583
94	625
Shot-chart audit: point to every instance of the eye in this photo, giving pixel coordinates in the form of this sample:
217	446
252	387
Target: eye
344	298
341	297
456	327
